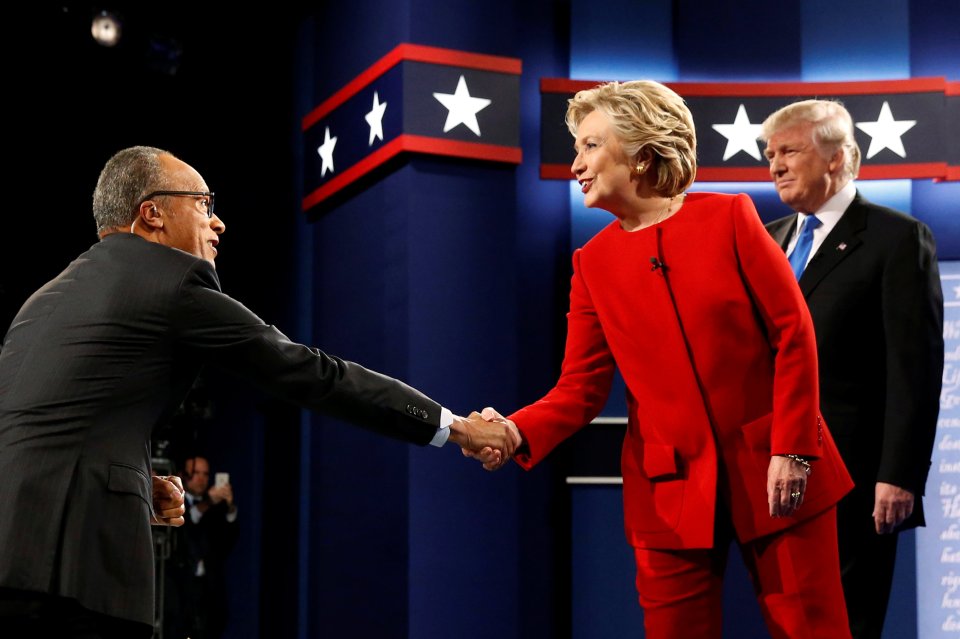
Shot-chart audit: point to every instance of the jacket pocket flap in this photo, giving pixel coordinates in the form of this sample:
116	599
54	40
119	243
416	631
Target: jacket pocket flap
659	460
126	479
757	433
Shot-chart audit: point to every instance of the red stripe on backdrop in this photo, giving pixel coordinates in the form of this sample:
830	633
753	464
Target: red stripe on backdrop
416	53
903	171
414	144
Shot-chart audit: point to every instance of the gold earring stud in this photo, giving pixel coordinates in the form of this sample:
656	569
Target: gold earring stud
641	168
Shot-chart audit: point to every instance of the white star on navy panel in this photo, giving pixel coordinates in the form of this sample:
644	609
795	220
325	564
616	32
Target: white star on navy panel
462	107
326	152
741	136
885	132
375	119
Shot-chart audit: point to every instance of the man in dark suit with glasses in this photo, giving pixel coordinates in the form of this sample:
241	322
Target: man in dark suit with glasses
106	351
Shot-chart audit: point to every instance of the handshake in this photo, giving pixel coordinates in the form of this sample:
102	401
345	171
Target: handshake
486	436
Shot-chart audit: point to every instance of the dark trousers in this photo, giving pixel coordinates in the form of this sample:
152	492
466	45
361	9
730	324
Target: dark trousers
866	564
34	615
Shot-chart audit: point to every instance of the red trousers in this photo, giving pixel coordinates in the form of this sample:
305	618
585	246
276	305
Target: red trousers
795	573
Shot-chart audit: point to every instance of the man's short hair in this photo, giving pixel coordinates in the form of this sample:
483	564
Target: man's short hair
832	129
645	115
125	179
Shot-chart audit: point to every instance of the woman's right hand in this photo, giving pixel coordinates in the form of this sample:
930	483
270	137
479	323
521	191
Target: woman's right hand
786	485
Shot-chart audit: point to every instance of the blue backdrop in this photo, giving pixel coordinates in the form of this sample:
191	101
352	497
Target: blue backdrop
451	274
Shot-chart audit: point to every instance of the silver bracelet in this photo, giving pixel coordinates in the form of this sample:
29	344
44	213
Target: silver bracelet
802	461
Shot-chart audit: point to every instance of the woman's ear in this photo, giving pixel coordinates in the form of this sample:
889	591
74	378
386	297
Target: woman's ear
642	161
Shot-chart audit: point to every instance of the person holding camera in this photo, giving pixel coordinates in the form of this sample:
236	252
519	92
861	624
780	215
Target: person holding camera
196	602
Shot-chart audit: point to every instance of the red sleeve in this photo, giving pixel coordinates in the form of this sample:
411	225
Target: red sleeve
584	383
777	297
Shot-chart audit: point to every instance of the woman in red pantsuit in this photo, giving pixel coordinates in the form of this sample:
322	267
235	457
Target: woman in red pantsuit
697	306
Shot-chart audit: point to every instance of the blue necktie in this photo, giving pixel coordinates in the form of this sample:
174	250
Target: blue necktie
798	259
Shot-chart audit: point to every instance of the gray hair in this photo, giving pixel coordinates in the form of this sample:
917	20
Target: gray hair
124	181
645	114
832	129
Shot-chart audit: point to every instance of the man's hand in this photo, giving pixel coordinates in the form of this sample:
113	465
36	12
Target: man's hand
168	501
491	458
491	441
786	485
224	492
891	507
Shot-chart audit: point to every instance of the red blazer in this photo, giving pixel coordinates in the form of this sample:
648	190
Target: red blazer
718	354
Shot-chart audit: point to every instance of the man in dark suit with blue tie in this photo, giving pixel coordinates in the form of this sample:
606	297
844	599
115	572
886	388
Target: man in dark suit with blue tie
106	351
870	277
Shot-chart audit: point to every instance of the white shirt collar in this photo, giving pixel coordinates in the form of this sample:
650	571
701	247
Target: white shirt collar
837	204
829	214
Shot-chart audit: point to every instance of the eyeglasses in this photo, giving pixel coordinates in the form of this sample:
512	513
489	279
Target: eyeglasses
208	205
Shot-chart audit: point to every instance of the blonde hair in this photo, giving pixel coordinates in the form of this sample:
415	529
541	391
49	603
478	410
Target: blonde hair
645	115
832	129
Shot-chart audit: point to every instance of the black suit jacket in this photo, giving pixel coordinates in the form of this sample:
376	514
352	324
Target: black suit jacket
91	364
873	289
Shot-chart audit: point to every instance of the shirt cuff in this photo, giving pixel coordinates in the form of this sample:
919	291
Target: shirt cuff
443	432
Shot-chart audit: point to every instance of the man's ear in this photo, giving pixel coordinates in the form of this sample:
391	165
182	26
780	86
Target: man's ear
150	216
836	161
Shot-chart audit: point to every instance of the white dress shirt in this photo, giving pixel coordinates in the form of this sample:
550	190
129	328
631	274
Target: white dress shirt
828	214
443	432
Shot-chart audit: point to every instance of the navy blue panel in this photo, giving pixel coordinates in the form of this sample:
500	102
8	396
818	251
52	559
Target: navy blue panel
348	126
489	27
935	51
622	40
459	235
359	515
952	130
855	40
901	620
603	594
541	266
347	37
751	40
938	205
425	115
556	143
934	45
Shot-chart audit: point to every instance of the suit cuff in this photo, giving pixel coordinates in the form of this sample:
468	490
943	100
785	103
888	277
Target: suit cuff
443	432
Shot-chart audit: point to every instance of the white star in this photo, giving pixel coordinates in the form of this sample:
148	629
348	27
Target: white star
885	132
375	119
462	108
326	152
741	136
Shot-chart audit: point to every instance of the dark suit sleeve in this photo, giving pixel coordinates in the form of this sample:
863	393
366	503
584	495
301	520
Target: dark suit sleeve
912	304
220	331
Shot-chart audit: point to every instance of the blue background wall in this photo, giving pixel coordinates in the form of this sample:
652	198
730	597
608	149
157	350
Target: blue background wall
450	274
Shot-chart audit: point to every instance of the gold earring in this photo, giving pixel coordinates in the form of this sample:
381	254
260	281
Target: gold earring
641	168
